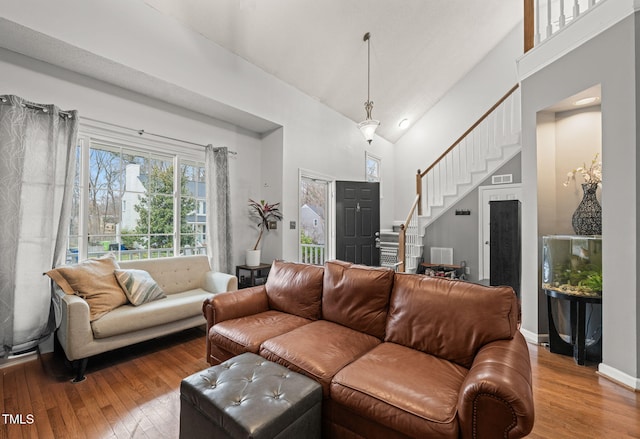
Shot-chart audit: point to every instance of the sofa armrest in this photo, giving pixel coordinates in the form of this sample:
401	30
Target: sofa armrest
75	330
497	393
216	282
232	305
235	304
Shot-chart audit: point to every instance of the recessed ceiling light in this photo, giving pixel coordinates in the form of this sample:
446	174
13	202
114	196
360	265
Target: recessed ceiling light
404	123
586	101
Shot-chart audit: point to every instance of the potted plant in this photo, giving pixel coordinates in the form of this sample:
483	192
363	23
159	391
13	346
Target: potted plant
265	213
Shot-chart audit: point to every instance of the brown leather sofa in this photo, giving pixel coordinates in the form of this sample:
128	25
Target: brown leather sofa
397	355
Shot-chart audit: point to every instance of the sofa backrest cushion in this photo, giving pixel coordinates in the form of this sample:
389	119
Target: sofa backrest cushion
357	296
173	275
449	319
295	288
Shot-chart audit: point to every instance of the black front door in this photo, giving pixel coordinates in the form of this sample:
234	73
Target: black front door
358	222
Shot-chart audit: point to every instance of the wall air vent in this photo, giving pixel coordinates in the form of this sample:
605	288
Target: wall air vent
441	255
502	179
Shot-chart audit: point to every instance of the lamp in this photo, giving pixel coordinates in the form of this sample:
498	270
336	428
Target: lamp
369	125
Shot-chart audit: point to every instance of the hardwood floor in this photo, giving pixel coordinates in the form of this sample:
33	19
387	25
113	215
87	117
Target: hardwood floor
134	393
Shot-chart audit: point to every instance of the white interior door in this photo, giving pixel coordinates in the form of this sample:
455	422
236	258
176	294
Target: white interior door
486	194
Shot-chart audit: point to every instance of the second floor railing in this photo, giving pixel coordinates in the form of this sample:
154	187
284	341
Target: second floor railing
544	18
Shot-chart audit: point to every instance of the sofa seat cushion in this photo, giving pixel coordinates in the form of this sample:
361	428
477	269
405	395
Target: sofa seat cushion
318	350
129	318
404	389
246	334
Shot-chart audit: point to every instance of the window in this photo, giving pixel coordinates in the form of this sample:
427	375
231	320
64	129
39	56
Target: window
372	167
136	199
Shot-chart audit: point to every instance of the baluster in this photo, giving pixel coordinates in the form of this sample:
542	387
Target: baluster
592	3
576	9
549	27
537	23
562	19
449	172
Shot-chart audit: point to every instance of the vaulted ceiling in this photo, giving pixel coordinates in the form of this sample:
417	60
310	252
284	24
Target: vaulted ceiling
419	48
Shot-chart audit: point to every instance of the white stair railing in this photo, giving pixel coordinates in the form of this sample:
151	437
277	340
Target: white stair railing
470	159
492	140
410	241
551	16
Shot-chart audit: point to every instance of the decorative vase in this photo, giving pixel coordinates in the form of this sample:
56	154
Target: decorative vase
587	219
252	258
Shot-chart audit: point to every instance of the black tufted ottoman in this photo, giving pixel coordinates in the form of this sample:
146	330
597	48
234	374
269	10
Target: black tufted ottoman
249	397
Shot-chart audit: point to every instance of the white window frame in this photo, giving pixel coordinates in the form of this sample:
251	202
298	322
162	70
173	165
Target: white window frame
92	133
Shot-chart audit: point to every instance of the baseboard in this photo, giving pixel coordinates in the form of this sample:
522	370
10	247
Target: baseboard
15	360
533	337
619	377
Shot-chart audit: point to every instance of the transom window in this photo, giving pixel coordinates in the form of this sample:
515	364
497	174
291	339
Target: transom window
136	201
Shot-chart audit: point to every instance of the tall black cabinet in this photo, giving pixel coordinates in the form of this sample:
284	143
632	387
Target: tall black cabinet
505	254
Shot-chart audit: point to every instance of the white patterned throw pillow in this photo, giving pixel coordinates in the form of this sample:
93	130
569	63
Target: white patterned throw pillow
139	286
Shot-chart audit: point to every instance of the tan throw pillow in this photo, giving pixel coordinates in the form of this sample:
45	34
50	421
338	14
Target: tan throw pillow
94	281
139	286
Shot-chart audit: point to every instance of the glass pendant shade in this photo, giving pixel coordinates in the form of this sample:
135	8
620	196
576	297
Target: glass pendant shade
368	128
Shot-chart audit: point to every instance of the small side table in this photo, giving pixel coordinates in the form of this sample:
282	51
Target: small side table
251	276
578	309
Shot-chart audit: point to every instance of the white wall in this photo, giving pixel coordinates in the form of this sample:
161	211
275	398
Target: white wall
609	59
463	105
44	83
184	67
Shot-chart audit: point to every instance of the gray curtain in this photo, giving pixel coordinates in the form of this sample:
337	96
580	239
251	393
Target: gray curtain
219	246
38	148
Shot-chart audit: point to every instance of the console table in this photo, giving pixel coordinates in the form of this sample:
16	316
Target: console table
577	318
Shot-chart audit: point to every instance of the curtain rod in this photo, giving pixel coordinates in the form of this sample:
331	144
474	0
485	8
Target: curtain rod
142	132
42	108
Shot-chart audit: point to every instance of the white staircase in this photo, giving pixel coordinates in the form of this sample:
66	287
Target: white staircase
489	144
478	155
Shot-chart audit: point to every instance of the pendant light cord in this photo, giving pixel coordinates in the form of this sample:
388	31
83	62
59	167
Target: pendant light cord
367	39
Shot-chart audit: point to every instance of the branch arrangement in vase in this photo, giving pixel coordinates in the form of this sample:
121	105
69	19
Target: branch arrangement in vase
591	174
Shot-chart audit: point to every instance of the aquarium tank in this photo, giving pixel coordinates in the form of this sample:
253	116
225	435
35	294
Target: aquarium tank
572	264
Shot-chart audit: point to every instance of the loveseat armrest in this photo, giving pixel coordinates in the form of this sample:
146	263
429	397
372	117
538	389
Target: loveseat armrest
496	398
74	332
217	282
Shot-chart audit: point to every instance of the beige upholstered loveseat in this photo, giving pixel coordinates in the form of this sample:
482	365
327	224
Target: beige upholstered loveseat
186	280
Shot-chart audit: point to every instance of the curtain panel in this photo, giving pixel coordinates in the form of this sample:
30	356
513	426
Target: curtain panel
219	243
38	147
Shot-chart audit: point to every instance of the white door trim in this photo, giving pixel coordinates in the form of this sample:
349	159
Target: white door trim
482	190
329	214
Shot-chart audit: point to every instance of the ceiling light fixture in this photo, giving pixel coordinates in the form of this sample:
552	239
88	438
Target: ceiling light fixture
404	123
369	125
586	101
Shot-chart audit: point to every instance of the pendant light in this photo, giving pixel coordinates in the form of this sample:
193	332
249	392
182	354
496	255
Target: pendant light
369	125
